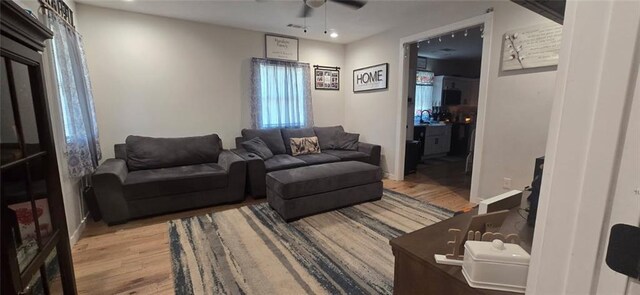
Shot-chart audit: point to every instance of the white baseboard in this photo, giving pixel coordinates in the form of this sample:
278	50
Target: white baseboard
388	175
75	237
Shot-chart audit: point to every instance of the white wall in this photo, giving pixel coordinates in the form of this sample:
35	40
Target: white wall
518	106
158	76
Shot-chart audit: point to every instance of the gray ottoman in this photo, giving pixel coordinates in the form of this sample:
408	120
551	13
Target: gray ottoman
299	192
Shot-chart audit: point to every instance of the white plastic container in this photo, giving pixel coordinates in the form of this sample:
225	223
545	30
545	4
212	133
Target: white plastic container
496	266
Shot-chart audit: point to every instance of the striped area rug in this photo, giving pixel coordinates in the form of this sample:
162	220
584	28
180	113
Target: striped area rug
251	250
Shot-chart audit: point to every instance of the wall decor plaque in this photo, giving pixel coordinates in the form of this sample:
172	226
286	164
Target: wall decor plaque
531	47
281	47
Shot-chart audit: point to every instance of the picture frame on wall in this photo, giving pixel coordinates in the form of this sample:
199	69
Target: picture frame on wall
281	47
326	78
371	78
421	64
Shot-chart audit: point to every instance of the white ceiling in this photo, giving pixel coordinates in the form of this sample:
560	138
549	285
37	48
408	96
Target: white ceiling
457	47
274	15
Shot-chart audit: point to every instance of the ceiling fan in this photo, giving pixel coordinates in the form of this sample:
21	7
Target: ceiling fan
309	5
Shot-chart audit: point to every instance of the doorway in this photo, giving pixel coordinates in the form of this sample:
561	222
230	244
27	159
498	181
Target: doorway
443	93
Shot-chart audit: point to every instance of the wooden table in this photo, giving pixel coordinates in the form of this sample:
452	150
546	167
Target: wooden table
416	271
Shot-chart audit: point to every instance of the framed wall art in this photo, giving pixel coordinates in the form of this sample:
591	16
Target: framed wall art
327	78
281	47
371	78
421	63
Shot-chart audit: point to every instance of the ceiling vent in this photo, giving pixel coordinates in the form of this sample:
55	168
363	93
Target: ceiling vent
297	26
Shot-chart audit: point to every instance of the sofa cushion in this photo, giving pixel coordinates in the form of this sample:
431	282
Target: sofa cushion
314	159
279	162
152	153
348	141
272	137
258	147
289	133
328	136
175	180
311	180
120	151
304	146
346	155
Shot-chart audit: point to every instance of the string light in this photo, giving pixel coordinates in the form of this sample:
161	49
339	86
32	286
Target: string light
428	41
440	39
453	34
466	32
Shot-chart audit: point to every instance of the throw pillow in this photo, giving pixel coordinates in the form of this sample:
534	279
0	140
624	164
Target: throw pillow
348	141
289	133
328	136
304	145
258	147
153	153
272	137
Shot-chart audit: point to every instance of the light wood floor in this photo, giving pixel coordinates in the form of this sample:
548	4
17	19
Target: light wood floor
134	258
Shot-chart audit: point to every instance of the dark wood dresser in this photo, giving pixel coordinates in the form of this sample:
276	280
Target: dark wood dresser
416	271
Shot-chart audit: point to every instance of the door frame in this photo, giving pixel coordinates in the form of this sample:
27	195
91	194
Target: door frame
596	81
401	113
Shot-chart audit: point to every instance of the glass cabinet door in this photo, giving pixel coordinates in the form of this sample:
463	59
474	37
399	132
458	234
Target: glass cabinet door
29	236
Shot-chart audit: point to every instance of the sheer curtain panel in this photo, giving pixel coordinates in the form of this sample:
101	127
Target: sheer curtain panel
280	94
82	145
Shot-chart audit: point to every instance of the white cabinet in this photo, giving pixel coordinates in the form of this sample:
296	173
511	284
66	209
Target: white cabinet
437	140
468	87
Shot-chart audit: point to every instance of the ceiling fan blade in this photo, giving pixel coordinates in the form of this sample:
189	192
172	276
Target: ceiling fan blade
306	11
355	4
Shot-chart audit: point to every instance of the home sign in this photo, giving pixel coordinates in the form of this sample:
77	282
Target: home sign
371	78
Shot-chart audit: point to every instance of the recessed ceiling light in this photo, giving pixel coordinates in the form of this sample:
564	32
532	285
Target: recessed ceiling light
333	35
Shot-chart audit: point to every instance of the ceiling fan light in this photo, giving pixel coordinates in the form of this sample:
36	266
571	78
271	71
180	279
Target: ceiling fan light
314	3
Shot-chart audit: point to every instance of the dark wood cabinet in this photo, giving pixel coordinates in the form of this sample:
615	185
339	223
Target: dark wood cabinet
36	255
416	271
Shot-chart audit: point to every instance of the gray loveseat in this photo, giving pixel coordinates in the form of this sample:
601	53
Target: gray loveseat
151	176
278	142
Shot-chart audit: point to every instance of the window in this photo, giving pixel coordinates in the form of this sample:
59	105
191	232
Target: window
281	94
424	93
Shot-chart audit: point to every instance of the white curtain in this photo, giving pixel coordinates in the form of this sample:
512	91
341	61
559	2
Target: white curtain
424	98
281	94
82	148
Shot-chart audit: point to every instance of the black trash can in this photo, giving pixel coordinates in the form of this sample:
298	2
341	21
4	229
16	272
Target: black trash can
411	156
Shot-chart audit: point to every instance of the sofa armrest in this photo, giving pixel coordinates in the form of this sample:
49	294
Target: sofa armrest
114	168
229	160
107	184
256	173
373	150
237	173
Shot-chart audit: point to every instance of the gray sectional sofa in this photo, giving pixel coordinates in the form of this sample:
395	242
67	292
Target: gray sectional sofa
150	176
336	145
